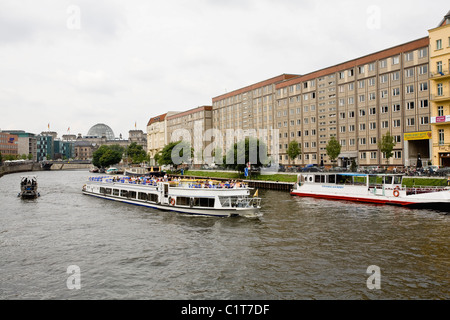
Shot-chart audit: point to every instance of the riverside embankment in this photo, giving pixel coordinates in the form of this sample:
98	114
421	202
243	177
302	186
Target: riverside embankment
8	168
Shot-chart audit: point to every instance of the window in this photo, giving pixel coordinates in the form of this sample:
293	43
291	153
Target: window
424	103
424	120
361	70
362	113
439	66
439	44
362	141
396	108
423	69
423	53
396	75
440	111
441	137
409	56
396	60
384	78
384	109
383	63
362	127
384	94
373	140
397	155
410	105
397	123
361	84
411	122
385	124
440	89
373	126
396	91
410	72
424	86
351	114
351	128
362	155
373	155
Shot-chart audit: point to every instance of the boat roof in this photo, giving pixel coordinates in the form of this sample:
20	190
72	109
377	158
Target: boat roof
352	174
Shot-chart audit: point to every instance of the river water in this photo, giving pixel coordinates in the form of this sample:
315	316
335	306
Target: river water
299	249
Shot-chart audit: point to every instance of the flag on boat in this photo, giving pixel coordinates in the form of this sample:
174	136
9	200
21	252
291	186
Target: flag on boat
256	194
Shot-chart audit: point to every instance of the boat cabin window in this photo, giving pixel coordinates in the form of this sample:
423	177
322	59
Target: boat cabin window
142	196
388	179
183	201
152	197
332	178
124	193
116	192
397	180
319	179
108	191
131	195
204	202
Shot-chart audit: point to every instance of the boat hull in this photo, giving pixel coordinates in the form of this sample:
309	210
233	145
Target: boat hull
413	203
213	212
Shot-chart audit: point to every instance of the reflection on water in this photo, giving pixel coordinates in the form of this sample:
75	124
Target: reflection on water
299	248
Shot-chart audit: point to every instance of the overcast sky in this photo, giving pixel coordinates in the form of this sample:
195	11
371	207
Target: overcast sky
72	64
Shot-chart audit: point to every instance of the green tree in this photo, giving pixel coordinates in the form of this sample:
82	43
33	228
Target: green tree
136	153
248	150
294	150
106	156
333	149
174	154
30	156
386	145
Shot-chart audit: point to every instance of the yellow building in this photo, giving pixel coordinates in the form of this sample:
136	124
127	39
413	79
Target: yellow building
440	91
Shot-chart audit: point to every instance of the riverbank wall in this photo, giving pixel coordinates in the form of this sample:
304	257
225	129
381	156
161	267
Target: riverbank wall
28	167
33	167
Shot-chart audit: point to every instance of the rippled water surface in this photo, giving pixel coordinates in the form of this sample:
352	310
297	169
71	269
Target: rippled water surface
298	249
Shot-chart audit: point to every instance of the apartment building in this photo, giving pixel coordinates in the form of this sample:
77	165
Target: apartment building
358	102
157	135
250	109
9	144
191	124
440	91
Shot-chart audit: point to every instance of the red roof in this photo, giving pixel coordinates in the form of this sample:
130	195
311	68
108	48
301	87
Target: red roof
157	119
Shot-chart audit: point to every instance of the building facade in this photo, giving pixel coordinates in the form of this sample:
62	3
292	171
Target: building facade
156	136
358	102
440	91
192	125
27	143
9	144
250	109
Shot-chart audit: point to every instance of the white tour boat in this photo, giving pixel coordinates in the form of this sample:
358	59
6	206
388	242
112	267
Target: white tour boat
196	197
377	189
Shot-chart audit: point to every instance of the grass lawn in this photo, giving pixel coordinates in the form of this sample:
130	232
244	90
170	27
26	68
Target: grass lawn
232	175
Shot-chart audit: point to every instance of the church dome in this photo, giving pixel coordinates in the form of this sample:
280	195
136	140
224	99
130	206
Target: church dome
101	130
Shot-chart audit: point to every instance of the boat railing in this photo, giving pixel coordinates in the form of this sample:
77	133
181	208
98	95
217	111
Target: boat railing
173	184
424	190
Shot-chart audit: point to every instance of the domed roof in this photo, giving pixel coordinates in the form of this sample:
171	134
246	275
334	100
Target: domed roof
101	130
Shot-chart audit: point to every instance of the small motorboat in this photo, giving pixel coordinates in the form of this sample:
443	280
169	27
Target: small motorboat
29	187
